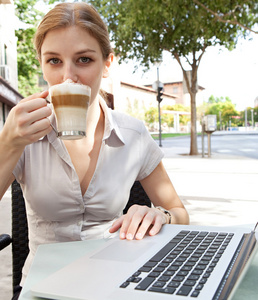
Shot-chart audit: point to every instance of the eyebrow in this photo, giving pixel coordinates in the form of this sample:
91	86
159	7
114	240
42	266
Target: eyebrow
77	53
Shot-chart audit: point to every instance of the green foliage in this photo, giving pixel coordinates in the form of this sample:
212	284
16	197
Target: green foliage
224	109
183	119
152	116
249	116
28	65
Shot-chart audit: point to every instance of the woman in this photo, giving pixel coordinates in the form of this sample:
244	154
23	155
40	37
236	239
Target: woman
77	189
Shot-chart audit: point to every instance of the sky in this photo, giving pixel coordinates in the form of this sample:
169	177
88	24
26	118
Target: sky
222	73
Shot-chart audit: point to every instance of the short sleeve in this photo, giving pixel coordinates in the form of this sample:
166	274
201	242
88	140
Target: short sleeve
150	156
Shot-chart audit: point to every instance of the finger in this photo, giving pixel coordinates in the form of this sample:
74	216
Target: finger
133	221
156	226
33	104
116	225
147	221
39	114
36	130
43	94
124	227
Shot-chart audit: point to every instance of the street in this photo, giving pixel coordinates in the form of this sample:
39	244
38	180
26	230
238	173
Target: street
232	144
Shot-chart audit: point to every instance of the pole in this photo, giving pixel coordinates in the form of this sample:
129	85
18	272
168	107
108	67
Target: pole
209	144
245	118
160	144
159	127
252	118
220	120
202	136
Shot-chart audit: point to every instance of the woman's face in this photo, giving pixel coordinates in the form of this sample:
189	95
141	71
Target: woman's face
72	53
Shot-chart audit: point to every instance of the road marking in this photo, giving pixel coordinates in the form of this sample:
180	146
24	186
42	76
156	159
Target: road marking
248	150
224	150
228	150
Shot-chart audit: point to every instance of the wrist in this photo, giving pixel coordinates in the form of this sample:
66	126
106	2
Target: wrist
167	213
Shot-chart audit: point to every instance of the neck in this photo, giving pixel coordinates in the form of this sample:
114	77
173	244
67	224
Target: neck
95	119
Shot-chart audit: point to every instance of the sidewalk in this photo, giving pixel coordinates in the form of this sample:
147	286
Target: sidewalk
218	191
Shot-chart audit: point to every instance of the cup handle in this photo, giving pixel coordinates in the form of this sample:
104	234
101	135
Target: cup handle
56	132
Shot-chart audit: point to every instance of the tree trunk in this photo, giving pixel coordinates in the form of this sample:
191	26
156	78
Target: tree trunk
193	147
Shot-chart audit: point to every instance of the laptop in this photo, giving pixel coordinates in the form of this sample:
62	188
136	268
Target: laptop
181	262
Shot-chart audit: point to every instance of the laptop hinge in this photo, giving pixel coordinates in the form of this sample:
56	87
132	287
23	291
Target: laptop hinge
236	266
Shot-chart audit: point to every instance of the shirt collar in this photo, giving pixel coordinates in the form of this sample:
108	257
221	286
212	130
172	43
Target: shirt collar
112	131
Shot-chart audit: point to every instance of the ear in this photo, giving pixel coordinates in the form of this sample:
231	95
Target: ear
108	64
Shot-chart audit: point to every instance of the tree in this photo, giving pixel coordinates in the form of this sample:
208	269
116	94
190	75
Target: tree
231	16
28	65
144	29
224	109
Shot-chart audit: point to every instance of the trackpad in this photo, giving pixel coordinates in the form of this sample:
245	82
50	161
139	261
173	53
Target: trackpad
123	250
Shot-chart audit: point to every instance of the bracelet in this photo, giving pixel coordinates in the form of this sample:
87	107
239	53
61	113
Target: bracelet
166	212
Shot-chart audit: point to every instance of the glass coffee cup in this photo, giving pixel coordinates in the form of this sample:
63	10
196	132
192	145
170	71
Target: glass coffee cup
70	102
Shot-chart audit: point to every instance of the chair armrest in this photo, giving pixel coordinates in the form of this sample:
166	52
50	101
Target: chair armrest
5	240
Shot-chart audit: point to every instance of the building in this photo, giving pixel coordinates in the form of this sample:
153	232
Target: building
256	102
179	90
9	96
137	99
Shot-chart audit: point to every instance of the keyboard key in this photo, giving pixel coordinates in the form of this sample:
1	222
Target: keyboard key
159	269
184	290
195	294
160	290
193	277
173	284
182	273
178	278
159	284
147	281
190	282
163	252
186	268
125	284
154	274
199	287
150	264
164	278
169	273
145	269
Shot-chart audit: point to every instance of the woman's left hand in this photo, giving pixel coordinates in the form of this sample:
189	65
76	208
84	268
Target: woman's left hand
138	220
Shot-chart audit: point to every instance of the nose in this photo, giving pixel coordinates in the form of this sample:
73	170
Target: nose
70	72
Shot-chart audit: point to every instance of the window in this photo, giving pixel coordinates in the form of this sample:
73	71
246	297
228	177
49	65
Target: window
175	90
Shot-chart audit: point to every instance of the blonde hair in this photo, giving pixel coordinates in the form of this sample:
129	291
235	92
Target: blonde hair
71	14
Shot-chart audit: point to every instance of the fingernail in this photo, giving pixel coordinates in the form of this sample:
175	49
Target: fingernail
122	235
139	236
129	236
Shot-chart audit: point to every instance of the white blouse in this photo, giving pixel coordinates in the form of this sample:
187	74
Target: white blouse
56	209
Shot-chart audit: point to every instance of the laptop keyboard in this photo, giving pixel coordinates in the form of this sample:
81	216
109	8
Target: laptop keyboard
183	265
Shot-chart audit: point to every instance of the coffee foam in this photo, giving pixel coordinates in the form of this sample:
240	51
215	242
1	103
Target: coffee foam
69	87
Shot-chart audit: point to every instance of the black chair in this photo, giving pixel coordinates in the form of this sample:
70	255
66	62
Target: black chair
19	237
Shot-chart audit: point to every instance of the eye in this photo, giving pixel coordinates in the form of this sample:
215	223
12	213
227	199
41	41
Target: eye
54	61
84	60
